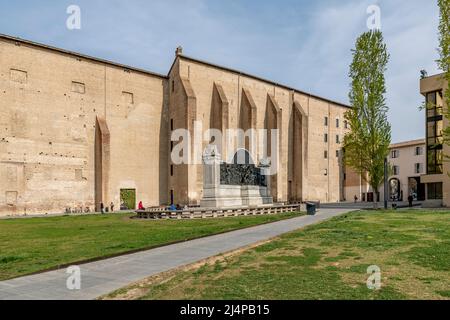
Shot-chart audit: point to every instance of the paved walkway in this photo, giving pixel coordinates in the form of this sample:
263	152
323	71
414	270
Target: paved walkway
102	277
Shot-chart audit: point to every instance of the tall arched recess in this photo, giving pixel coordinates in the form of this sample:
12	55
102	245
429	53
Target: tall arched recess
247	116
102	162
274	122
298	154
220	114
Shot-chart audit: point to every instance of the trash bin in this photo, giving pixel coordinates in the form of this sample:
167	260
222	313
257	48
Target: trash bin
311	208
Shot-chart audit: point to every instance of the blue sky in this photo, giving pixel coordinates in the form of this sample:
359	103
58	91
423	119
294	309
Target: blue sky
304	44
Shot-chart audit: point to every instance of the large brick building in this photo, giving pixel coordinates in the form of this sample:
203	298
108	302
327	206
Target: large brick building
76	130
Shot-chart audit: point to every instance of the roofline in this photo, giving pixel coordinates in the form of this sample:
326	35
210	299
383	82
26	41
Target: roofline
408	143
434	75
258	78
80	55
119	65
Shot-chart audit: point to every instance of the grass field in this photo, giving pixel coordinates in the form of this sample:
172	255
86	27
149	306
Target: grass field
325	261
36	244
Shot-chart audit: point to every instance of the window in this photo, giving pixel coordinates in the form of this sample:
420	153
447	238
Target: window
418	168
326	137
435	161
338	139
326	121
171	146
128	97
171	125
396	170
346	124
395	154
325	154
434	103
419	151
78	87
18	76
171	170
173	85
337	123
434	191
337	153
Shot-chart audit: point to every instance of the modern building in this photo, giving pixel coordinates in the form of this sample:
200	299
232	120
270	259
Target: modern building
77	131
436	179
407	160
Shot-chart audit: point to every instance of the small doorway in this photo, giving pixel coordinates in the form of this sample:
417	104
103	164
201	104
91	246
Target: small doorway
394	189
416	189
128	199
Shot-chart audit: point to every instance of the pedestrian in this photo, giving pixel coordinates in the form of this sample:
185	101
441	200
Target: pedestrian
102	208
112	206
356	198
141	206
410	200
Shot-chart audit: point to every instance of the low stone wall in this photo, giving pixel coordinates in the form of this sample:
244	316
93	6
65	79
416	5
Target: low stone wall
202	213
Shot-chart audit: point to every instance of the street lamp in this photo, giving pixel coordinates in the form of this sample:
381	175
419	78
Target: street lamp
385	183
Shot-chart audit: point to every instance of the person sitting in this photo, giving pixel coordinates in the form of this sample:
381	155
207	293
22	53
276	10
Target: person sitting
141	206
172	207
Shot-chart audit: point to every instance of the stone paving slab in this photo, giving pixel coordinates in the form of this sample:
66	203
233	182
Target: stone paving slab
102	277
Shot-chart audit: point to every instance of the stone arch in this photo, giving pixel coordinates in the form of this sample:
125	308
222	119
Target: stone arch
394	189
242	156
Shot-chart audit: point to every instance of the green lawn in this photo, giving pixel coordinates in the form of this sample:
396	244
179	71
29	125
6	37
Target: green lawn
325	261
36	244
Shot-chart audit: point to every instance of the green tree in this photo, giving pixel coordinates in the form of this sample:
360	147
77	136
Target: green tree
367	145
444	53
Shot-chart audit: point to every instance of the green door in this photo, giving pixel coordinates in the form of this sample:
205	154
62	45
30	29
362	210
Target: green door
128	198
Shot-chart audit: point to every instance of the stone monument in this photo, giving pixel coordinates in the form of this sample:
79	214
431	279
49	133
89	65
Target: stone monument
236	184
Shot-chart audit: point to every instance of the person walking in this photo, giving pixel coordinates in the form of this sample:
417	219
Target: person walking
356	198
102	208
112	206
410	200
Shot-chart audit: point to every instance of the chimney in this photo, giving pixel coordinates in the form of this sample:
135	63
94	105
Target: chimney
179	51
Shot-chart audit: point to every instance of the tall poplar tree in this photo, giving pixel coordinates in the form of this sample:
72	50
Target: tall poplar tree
367	144
444	53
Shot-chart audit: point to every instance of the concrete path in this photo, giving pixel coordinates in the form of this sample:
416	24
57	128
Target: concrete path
102	277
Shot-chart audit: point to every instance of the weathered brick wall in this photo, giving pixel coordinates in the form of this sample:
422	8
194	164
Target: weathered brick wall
322	178
49	102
